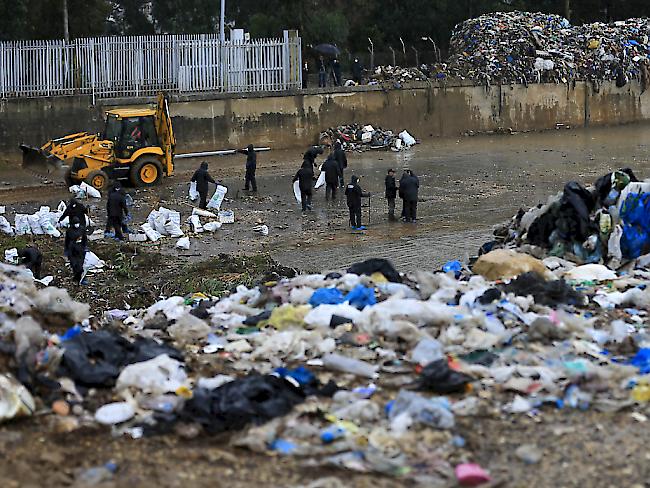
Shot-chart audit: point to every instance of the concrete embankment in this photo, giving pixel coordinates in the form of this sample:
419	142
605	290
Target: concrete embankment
287	120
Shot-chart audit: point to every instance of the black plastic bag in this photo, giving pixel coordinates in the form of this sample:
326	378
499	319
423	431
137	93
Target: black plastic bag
439	378
376	265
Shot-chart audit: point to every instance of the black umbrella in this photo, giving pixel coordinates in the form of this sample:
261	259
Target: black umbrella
327	49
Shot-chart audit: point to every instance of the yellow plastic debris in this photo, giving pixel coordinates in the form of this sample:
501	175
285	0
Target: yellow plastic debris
288	316
378	278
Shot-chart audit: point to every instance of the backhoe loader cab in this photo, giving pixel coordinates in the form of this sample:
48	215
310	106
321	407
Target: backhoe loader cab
137	145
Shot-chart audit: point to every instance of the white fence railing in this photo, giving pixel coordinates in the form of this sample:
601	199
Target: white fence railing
145	65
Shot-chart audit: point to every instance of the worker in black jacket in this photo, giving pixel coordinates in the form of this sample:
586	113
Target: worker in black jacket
75	232
251	167
409	187
116	210
202	178
311	155
391	193
332	174
354	193
32	259
405	175
77	256
75	209
342	160
305	179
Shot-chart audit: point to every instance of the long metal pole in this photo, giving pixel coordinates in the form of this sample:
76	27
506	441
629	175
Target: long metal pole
66	31
222	22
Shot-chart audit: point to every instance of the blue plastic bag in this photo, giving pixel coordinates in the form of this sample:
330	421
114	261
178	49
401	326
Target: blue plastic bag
642	360
326	296
361	297
454	266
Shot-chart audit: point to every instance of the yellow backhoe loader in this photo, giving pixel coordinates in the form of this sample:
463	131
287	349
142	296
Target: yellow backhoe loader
137	145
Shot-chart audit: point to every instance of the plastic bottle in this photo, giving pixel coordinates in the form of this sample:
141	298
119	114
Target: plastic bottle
427	351
344	364
97	475
333	433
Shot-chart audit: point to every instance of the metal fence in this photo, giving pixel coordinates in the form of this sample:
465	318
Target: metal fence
145	65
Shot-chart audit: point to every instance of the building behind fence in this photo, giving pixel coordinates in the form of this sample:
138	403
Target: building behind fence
145	65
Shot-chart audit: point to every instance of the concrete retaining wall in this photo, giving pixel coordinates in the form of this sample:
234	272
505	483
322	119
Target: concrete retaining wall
204	122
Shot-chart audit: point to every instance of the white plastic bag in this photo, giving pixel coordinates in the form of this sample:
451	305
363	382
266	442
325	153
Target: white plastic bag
77	192
92	261
217	199
11	256
159	375
21	223
227	217
183	243
321	180
159	224
174	216
173	230
203	213
212	226
35	224
47	225
614	243
261	229
193	194
5	226
407	138
90	191
150	232
196	224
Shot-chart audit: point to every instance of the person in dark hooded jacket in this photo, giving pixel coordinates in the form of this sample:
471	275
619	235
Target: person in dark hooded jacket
342	160
354	194
75	209
409	187
251	167
116	210
75	232
76	256
391	193
400	192
305	179
332	175
202	179
32	259
311	154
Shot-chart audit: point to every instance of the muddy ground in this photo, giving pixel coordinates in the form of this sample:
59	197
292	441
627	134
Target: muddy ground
467	186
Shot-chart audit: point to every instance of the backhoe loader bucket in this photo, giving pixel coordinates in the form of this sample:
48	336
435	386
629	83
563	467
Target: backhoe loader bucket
37	161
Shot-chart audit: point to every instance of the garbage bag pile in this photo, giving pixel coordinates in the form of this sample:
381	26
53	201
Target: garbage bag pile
395	74
358	137
523	47
606	223
356	369
43	222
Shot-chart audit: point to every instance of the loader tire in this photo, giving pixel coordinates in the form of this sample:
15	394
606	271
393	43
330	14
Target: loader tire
67	178
97	179
146	171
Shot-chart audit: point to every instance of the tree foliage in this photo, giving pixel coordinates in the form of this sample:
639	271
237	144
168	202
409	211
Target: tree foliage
346	23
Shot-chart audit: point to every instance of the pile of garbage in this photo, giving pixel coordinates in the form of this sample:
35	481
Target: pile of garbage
395	74
360	368
523	47
358	137
606	223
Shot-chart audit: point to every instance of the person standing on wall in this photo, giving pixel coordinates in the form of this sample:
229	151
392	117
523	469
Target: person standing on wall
336	71
357	71
391	194
342	161
322	72
202	178
251	167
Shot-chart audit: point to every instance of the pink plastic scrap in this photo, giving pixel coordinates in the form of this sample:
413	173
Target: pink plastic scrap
471	475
